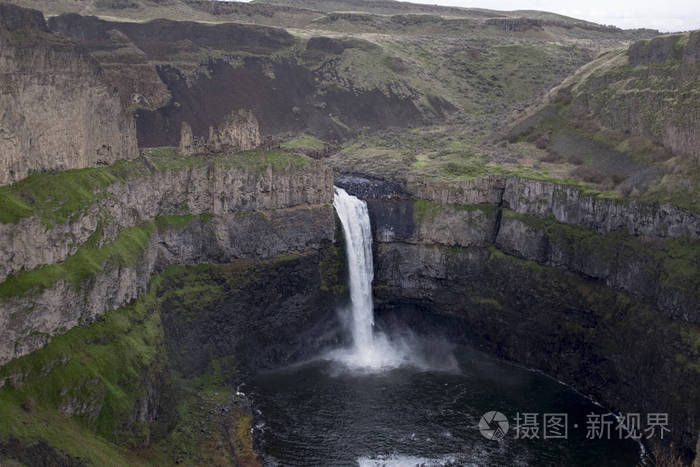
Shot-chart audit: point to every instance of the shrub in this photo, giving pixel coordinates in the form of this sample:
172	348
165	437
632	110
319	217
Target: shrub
551	156
576	160
588	174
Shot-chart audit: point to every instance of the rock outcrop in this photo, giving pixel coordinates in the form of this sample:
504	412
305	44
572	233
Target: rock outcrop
179	72
30	242
661	50
58	112
240	131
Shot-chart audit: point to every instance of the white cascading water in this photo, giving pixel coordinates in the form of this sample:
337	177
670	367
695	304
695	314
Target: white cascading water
370	350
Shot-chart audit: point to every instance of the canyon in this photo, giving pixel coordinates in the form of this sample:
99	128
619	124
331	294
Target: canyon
176	235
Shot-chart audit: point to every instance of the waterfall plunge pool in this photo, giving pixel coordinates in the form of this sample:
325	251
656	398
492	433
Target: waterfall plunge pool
323	413
397	398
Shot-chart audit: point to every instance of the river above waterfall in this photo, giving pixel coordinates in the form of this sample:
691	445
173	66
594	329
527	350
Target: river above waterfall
321	413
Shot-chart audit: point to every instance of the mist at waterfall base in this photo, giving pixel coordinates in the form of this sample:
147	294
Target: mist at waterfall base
399	397
372	350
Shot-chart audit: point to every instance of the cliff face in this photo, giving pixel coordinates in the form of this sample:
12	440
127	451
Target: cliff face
168	363
555	279
194	79
58	112
212	212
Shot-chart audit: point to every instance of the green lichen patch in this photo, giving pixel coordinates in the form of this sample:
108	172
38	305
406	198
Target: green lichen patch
425	210
332	270
489	301
165	223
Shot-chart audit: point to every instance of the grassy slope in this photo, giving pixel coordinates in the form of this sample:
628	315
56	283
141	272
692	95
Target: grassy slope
586	133
103	362
103	370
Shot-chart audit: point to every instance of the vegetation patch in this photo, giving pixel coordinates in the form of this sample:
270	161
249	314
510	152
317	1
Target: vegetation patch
332	268
83	392
85	385
425	210
304	143
489	301
57	197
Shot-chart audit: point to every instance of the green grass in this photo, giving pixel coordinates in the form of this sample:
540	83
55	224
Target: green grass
58	196
104	370
126	250
174	222
101	365
425	210
304	143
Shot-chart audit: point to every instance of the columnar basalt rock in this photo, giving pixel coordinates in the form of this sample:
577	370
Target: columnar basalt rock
240	131
214	209
31	243
28	321
58	112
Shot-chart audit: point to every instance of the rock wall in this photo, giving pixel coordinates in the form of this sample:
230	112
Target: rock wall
27	322
200	74
58	112
566	204
240	131
187	215
124	379
31	243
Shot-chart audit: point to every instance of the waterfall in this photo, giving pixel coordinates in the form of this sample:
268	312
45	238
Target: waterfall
373	350
370	349
354	217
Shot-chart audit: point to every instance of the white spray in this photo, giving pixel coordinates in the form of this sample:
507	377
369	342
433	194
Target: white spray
370	349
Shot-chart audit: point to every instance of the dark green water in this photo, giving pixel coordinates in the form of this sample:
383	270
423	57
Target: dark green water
320	413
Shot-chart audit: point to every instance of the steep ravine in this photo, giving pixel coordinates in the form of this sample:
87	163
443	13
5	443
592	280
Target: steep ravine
601	294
